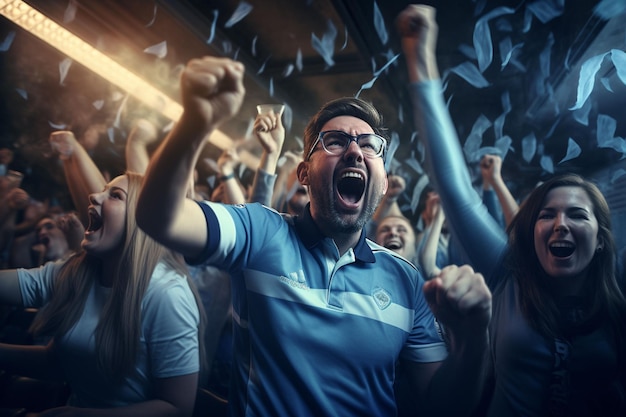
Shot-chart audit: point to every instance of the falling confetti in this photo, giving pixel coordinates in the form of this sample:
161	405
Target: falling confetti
547	164
468	51
529	147
582	115
573	151
299	60
379	25
243	9
371	82
70	12
503	145
498	124
417	192
544	56
482	37
213	25
57	126
111	134
475	138
159	49
154	15
345	39
546	10
64	68
619	61
288	70
470	73
7	42
394	143
23	93
262	67
253	49
507	50
325	45
587	79
287	117
606	83
605	131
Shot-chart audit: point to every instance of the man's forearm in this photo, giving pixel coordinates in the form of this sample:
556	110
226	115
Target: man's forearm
167	177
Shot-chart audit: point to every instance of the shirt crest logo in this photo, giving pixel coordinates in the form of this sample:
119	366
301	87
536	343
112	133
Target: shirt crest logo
381	297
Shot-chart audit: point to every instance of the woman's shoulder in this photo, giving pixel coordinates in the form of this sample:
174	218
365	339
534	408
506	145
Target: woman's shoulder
165	278
48	270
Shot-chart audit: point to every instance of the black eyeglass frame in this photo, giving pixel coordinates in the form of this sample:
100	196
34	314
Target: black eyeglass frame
320	138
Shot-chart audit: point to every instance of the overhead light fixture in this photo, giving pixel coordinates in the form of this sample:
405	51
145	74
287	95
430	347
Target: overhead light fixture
82	52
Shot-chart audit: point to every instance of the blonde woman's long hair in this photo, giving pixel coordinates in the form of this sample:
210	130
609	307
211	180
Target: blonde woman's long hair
117	345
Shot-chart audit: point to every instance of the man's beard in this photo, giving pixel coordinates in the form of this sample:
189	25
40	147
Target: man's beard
337	220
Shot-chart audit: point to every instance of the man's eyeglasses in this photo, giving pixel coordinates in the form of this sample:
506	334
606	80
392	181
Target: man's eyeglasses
335	142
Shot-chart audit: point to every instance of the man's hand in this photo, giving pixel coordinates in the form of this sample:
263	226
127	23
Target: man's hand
144	132
490	169
17	199
431	208
73	230
396	186
228	161
64	142
461	301
418	30
212	91
269	130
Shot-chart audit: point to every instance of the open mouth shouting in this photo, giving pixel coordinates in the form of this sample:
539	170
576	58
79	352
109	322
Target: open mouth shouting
561	249
351	188
393	244
95	221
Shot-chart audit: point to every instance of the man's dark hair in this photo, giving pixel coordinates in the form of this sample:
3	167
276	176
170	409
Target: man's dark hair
345	106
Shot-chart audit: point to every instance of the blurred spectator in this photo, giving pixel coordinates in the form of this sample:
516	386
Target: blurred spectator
397	234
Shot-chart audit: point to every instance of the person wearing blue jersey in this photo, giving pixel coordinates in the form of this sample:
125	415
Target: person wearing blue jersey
558	340
321	314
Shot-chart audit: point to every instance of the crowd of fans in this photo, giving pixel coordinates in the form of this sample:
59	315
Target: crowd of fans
153	283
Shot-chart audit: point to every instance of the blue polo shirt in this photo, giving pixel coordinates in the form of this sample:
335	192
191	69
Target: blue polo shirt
315	333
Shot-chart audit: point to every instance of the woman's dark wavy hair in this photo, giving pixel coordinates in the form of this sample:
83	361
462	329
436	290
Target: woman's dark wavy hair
603	296
345	106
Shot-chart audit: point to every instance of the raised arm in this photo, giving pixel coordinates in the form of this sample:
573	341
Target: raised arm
269	131
82	175
281	186
458	297
143	134
212	92
389	204
491	170
481	237
73	230
227	162
427	253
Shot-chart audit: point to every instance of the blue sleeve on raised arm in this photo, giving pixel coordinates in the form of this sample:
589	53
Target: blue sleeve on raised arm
483	240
